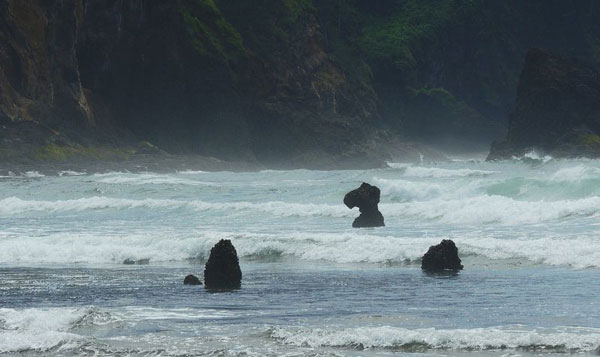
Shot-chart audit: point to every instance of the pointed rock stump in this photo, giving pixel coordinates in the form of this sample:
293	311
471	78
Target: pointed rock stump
222	270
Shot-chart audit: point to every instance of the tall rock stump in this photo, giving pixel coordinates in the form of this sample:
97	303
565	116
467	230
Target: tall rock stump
366	198
222	270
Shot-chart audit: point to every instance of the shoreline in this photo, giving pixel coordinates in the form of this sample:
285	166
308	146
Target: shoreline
167	163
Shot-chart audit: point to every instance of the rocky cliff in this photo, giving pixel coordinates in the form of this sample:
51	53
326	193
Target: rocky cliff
557	110
284	83
86	73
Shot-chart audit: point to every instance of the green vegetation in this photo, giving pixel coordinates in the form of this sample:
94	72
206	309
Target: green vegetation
295	8
455	60
399	40
266	25
53	152
591	140
211	35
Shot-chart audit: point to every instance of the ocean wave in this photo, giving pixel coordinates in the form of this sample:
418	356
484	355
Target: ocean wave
33	174
575	174
15	205
533	157
27	174
573	340
477	210
70	173
398	165
39	330
492	210
191	172
403	190
148	179
436	172
343	247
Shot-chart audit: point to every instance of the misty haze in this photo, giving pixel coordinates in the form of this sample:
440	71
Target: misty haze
299	177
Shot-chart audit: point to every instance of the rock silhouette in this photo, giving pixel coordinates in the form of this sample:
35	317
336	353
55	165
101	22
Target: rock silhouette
191	280
222	270
443	256
557	109
130	261
366	198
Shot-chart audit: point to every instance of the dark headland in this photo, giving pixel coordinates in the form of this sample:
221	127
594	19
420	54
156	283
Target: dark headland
557	111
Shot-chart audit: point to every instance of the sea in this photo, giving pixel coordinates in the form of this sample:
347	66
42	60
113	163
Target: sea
527	231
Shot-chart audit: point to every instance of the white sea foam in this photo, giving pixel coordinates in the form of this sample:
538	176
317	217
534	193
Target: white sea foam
70	173
347	247
32	174
191	172
534	156
398	165
493	210
148	179
575	174
501	338
423	172
581	252
475	210
14	205
39	329
145	313
403	190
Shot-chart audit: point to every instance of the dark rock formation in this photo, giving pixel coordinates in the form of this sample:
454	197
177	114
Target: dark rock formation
191	280
557	111
222	270
366	198
130	261
443	256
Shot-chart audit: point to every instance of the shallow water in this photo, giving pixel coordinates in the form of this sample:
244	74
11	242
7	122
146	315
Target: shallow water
526	232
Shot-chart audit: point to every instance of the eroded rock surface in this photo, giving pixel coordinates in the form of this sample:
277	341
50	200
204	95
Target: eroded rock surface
222	270
366	198
557	111
441	257
191	280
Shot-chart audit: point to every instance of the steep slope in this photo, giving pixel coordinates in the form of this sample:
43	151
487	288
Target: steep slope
180	75
557	111
449	69
39	84
286	83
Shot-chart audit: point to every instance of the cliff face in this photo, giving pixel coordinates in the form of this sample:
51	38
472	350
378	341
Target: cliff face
147	64
450	68
180	75
40	88
283	82
557	110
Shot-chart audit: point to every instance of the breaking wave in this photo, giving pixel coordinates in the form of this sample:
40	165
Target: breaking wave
470	210
147	179
44	330
418	171
572	340
15	205
349	247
